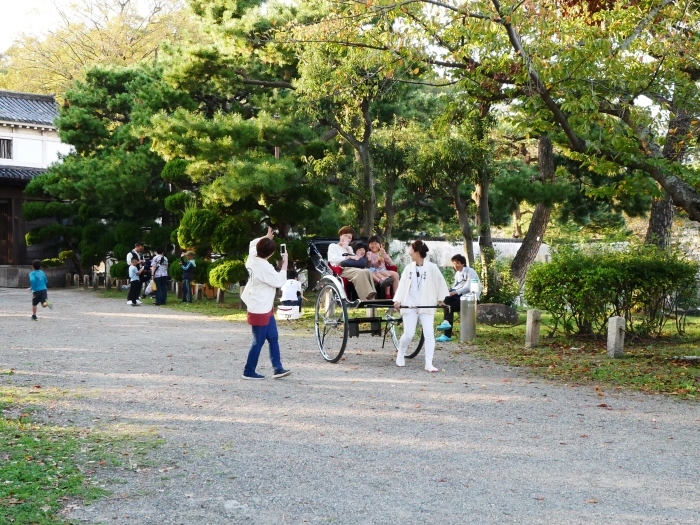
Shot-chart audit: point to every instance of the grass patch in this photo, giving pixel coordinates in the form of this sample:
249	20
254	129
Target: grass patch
648	364
45	468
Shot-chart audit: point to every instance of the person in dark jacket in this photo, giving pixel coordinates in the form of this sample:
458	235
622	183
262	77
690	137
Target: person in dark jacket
187	264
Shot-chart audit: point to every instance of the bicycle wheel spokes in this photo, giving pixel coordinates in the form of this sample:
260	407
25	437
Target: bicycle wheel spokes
331	325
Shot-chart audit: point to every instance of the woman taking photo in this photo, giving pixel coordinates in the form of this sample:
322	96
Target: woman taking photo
259	296
421	284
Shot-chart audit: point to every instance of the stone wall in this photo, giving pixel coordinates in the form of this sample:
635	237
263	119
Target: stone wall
18	276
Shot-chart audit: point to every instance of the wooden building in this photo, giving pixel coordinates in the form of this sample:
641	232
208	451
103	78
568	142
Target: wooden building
29	143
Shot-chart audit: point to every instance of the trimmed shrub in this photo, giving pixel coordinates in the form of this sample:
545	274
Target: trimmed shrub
227	272
582	289
52	263
119	270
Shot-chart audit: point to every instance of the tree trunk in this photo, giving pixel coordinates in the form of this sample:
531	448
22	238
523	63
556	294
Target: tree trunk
662	211
517	223
489	277
389	210
464	224
660	222
369	198
538	226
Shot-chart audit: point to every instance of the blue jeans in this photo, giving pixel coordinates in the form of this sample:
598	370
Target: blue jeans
162	290
187	291
260	335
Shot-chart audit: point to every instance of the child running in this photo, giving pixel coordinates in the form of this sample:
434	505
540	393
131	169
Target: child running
37	285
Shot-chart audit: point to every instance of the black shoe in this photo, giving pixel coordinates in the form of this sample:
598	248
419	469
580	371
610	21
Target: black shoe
387	282
279	374
34	318
254	376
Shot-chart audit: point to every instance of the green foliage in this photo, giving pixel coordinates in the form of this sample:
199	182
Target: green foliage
175	172
227	272
502	288
120	251
581	289
48	232
33	210
178	202
119	270
52	263
197	227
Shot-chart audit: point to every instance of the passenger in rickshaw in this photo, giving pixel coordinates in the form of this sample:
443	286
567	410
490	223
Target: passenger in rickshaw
341	254
378	259
421	284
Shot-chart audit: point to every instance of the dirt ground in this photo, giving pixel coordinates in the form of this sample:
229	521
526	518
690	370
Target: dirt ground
358	442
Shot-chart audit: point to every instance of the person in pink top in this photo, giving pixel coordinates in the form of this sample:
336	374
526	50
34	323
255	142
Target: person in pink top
378	259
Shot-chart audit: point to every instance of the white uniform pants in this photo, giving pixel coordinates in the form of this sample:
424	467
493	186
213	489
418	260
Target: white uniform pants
410	321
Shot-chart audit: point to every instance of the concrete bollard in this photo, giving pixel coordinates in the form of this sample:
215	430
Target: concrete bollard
616	337
219	296
86	281
532	328
198	292
95	281
178	290
76	280
108	282
467	318
69	280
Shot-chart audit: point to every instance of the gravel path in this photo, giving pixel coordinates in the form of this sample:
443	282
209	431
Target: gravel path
359	442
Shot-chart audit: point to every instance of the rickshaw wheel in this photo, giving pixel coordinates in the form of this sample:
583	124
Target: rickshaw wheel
331	323
396	330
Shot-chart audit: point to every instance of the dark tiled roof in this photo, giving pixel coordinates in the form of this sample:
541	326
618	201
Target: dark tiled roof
27	108
17	173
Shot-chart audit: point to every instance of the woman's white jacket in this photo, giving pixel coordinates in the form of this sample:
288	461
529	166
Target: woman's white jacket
263	281
434	288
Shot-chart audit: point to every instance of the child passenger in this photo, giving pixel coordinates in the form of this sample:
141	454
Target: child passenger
378	259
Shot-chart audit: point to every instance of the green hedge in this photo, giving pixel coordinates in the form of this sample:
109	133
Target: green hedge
119	270
227	272
582	288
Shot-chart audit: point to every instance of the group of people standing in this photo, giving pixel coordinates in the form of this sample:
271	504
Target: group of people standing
157	271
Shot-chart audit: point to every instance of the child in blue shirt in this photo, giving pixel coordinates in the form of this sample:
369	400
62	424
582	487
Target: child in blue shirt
134	277
37	285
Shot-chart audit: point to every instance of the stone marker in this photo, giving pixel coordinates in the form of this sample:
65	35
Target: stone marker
178	290
86	281
198	292
69	280
219	296
616	337
108	282
95	281
76	280
532	328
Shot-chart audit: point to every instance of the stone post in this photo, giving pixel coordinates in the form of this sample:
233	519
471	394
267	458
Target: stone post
76	280
108	282
197	292
178	290
616	337
219	296
69	280
86	281
95	281
532	328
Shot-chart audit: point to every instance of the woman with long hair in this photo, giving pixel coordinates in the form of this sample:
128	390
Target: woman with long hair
421	284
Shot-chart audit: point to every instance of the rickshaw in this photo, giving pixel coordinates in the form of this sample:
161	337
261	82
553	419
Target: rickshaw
337	317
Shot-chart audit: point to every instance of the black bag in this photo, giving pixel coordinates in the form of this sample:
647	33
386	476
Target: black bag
352	263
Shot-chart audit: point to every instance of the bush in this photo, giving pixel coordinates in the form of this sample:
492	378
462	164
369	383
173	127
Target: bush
119	270
502	288
227	272
582	289
52	263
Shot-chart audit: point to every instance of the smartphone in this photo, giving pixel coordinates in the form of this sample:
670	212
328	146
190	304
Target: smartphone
283	249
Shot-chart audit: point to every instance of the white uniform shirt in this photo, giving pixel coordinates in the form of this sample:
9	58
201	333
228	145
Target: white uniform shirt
290	289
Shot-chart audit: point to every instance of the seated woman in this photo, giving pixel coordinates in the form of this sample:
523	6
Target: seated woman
378	259
341	252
